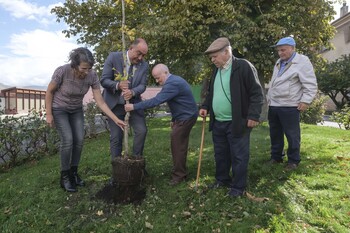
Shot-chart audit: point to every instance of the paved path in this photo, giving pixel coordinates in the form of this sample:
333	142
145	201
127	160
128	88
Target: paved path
329	124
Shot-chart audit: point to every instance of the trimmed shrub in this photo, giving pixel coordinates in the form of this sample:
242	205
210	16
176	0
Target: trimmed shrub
342	117
314	114
91	110
25	138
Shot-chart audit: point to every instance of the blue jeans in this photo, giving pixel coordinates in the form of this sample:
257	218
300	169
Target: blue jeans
70	127
231	153
137	122
285	121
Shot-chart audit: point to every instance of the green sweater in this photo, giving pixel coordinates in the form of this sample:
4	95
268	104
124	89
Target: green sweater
222	95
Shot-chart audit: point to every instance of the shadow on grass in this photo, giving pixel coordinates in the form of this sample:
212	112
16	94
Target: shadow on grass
295	199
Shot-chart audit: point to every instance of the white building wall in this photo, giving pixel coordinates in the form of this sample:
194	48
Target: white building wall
341	44
341	48
341	40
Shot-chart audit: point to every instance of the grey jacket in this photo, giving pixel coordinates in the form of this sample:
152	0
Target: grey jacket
113	65
296	84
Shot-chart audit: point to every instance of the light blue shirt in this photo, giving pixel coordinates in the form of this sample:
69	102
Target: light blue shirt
283	64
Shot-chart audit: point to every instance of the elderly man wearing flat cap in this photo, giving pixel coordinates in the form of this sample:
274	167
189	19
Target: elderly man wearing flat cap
234	101
292	88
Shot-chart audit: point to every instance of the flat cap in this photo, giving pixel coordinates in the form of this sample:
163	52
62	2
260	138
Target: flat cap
286	41
217	45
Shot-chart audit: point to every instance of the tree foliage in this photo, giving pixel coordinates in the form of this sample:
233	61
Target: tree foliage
179	31
314	113
98	24
334	81
342	117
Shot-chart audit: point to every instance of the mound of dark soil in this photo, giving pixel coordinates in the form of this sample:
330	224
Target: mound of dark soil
128	170
118	194
128	173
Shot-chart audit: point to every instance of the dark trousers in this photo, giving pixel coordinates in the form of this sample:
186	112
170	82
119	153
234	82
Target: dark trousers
137	122
70	127
179	137
285	121
231	153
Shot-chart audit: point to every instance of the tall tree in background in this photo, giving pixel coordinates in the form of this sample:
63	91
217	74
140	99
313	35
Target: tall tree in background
98	24
334	81
179	31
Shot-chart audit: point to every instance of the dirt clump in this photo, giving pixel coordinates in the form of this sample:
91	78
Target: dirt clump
128	175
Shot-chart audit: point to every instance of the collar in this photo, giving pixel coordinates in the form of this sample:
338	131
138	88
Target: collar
127	58
289	60
227	64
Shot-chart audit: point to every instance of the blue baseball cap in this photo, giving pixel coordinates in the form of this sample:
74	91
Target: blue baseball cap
286	41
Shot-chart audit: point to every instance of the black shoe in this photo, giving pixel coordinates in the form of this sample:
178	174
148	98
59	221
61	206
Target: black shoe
78	181
75	177
291	166
66	183
175	182
273	161
235	193
218	184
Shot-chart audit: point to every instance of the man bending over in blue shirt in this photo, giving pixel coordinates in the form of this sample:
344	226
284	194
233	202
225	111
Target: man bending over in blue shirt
177	93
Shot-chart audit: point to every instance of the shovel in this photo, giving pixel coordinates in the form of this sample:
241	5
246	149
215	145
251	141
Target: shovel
200	153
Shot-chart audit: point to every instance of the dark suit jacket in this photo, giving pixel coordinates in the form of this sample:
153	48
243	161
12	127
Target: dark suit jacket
246	95
113	65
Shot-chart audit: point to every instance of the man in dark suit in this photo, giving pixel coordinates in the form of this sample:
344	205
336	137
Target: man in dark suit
117	91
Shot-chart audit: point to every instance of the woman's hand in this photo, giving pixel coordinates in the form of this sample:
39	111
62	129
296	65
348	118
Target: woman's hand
120	123
49	120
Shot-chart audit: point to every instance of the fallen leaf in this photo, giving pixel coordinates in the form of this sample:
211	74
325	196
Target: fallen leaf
257	199
246	214
186	213
149	225
7	211
343	158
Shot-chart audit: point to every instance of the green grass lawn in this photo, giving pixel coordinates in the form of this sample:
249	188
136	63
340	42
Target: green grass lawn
314	198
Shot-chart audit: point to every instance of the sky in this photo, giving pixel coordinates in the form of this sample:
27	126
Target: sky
32	45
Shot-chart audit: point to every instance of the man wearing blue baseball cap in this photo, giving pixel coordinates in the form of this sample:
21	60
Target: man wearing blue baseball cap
292	88
285	41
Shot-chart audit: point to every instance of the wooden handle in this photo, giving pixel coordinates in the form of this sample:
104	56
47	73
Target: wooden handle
200	152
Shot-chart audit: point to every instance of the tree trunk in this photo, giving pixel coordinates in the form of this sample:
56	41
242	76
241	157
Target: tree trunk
127	115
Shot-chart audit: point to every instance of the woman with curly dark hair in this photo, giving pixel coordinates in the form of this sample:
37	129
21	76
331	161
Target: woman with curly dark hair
64	110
